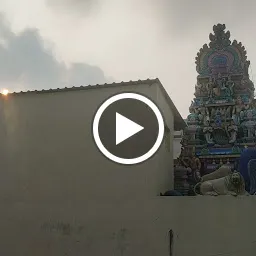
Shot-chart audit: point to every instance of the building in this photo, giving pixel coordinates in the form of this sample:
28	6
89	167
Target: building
49	156
50	132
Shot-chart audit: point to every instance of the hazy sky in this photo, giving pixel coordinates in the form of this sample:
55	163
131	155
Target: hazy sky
58	43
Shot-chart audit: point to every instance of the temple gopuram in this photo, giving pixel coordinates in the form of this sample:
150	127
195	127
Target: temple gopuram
222	119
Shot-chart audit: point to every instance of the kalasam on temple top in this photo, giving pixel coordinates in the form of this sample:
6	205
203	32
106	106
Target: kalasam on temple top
222	119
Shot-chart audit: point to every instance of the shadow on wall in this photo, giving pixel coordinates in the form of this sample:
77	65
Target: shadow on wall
171	242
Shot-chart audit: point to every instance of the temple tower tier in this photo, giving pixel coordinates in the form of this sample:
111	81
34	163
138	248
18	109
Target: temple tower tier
222	119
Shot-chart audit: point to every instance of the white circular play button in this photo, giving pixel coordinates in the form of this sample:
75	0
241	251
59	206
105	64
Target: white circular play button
125	128
128	128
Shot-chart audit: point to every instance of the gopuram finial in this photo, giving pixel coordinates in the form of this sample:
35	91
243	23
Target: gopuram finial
220	38
222	55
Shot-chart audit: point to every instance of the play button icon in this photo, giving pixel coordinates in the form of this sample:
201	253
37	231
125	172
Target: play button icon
125	128
128	128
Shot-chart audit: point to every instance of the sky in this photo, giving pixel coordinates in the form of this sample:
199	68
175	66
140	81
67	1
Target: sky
57	43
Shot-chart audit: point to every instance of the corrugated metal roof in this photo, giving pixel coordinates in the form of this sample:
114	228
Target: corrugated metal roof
87	87
179	123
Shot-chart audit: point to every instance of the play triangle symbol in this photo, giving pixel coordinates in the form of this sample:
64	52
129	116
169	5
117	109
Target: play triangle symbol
125	128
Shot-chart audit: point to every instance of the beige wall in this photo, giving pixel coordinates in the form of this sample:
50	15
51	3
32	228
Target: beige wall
202	226
47	145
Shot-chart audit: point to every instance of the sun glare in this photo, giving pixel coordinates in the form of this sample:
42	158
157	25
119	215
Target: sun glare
5	92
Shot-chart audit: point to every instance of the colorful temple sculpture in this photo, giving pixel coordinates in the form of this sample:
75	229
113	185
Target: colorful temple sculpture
222	119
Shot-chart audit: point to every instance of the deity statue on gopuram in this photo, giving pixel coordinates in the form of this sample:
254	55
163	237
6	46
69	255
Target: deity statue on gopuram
222	119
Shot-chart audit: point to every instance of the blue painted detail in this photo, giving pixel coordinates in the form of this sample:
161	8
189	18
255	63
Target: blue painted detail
221	151
246	156
198	102
220	60
252	175
245	98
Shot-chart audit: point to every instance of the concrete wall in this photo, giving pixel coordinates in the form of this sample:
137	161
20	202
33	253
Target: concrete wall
46	145
202	226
